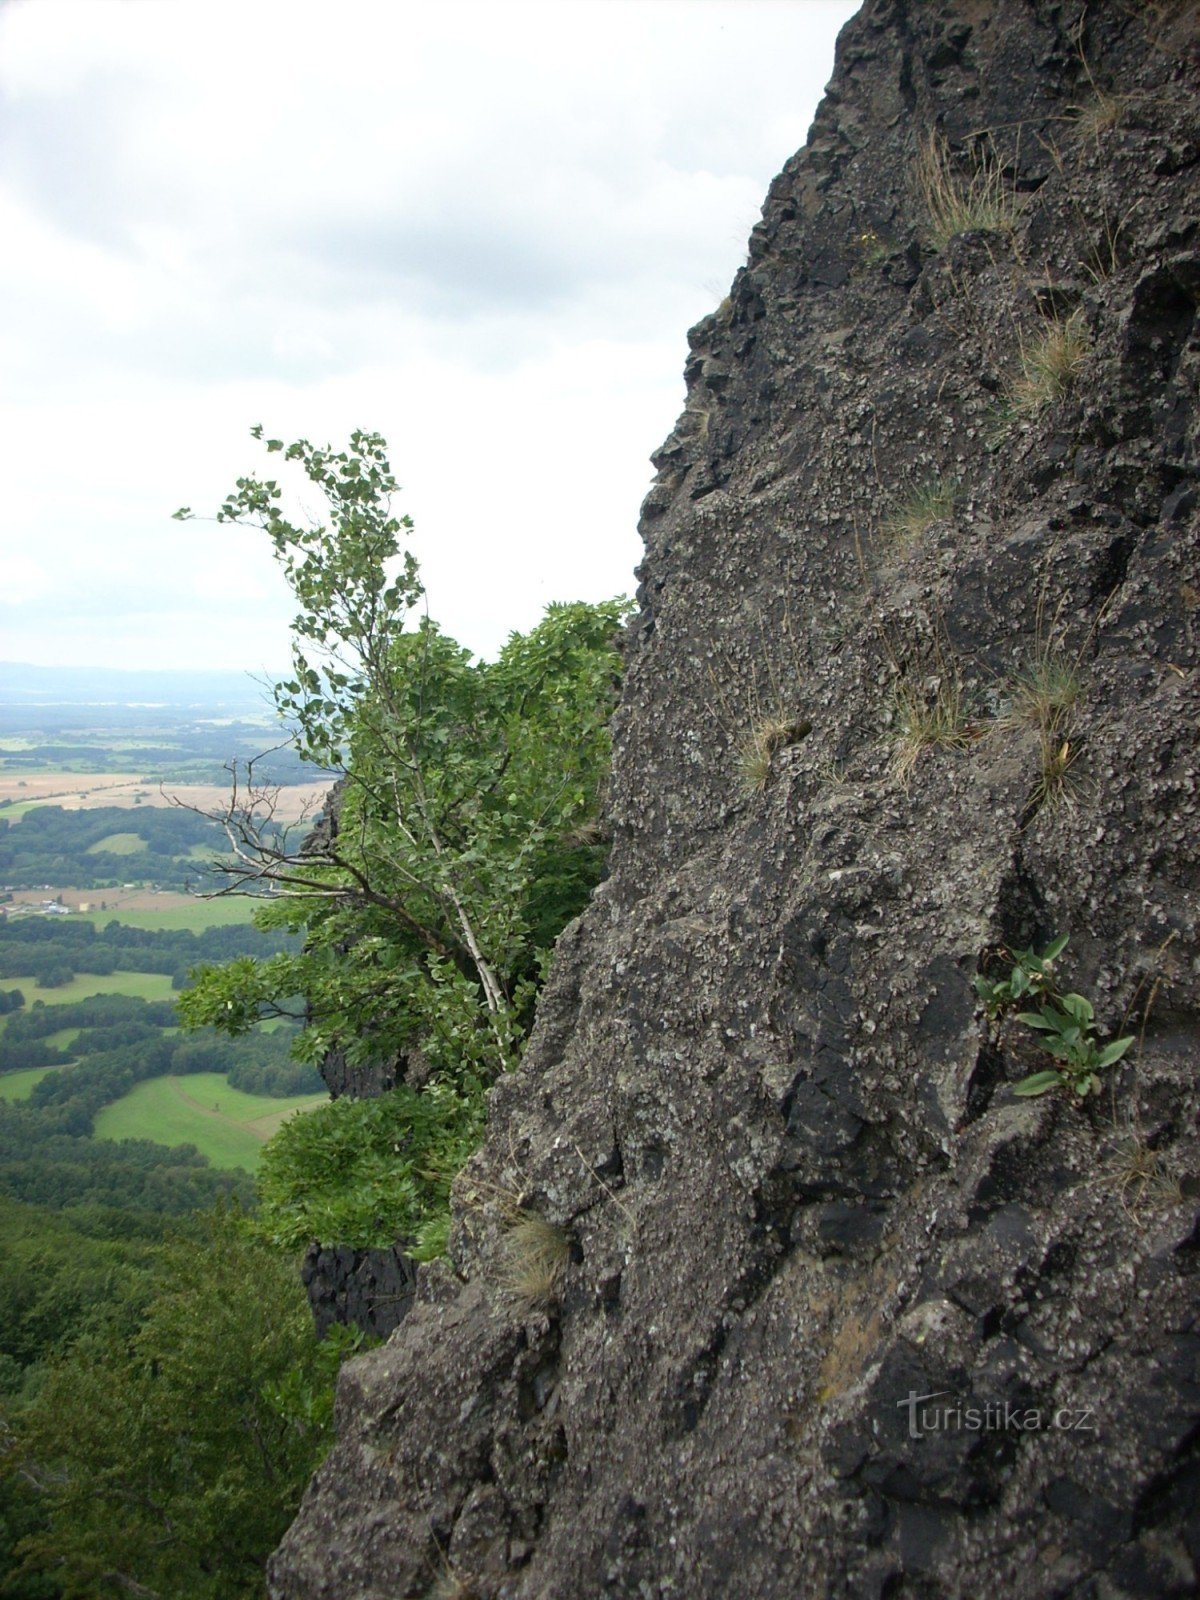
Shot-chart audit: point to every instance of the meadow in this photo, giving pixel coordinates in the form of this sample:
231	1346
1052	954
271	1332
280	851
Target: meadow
141	985
16	1086
229	1127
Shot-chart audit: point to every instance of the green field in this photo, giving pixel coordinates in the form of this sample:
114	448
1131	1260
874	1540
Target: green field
118	844
17	1085
197	916
201	1109
145	985
63	1038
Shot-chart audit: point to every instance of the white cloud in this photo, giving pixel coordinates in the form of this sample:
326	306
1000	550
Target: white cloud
480	229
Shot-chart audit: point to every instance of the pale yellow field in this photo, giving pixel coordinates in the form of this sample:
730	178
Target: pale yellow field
75	792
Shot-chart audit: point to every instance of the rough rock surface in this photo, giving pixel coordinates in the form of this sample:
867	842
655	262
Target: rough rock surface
370	1289
762	1103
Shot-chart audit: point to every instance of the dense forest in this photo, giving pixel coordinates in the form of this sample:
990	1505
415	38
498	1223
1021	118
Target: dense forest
168	846
52	949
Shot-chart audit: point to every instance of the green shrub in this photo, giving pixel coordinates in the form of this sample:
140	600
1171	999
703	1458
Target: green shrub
370	1172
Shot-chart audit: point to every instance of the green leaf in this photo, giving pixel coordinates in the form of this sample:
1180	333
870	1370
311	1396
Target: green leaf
1055	948
1045	1020
1113	1051
1039	1083
1078	1007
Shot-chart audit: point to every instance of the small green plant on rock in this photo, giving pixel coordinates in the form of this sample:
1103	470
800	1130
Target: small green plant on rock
873	250
1065	1023
1031	975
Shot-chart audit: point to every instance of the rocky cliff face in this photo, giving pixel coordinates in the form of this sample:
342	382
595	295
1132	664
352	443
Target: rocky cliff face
916	683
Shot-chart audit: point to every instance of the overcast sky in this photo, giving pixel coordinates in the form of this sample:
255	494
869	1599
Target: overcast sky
481	230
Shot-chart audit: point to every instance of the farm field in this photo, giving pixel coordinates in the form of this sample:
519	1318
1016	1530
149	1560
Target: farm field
143	985
145	908
86	791
172	913
201	1109
17	1085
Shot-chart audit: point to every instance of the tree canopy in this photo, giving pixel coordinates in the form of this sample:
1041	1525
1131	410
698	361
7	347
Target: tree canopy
463	833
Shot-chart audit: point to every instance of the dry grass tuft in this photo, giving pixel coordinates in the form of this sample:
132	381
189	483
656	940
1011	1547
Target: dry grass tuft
928	717
451	1585
1057	783
1138	1176
1045	697
1101	114
911	519
981	201
756	753
536	1254
1050	365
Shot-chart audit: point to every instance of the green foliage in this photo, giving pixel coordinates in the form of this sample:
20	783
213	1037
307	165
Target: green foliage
1065	1023
93	849
1031	975
366	1172
172	1457
65	1273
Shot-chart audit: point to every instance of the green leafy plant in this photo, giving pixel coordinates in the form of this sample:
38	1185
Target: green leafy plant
369	1172
1031	975
429	901
1065	1023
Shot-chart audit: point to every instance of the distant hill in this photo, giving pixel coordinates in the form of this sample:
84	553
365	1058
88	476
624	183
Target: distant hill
220	693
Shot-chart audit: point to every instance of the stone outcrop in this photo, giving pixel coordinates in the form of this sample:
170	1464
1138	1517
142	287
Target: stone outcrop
763	1110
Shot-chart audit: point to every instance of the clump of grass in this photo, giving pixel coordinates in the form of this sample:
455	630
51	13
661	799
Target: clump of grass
536	1254
757	751
979	201
932	717
1044	697
1049	366
1137	1175
910	519
451	1585
1101	113
1057	782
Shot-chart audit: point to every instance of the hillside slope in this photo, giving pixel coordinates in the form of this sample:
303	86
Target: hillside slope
915	683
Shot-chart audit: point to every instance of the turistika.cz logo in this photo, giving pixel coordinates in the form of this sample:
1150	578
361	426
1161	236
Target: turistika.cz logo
994	1416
